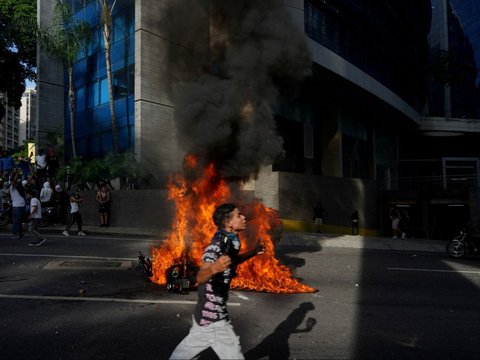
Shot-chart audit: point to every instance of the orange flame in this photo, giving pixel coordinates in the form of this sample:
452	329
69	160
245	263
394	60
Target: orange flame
193	228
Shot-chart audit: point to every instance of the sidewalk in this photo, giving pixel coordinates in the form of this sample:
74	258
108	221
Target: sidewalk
313	240
288	239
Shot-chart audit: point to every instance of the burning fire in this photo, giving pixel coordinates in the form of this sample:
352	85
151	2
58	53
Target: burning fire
193	228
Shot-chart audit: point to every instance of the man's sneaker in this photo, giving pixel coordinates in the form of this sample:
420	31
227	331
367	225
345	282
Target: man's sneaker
81	233
66	233
37	243
394	237
404	236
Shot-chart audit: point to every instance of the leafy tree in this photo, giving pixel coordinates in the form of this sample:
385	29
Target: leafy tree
63	41
107	11
87	174
18	47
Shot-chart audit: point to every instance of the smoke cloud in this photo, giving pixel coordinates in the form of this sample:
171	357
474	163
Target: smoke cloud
224	113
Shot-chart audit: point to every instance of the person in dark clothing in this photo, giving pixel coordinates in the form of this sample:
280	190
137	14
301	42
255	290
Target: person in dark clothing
60	200
318	214
211	323
355	219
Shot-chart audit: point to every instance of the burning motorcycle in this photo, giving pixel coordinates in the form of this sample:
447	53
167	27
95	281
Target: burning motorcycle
464	243
144	266
181	276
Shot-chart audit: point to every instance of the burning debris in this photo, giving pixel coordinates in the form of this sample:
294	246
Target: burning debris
144	266
193	226
226	125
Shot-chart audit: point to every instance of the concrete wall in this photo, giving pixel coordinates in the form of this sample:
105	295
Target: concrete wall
296	194
148	209
171	38
299	193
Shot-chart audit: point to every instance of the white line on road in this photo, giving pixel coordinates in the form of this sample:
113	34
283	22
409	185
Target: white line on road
100	299
437	270
68	256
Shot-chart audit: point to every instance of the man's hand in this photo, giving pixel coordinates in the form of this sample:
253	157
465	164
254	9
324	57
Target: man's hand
259	248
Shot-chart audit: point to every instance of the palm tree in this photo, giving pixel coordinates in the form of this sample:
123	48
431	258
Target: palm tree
107	10
63	41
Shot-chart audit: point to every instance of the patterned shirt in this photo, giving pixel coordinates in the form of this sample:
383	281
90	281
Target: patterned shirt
213	295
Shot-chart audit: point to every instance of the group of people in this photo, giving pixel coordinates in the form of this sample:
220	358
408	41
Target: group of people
28	187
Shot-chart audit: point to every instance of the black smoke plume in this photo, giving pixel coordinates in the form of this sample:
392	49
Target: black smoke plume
224	113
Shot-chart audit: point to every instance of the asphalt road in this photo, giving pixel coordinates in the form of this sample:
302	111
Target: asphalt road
79	298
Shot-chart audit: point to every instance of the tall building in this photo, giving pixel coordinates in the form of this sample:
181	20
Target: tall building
28	116
192	76
9	126
469	14
439	161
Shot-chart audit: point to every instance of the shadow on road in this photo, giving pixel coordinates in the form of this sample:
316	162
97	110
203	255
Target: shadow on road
275	346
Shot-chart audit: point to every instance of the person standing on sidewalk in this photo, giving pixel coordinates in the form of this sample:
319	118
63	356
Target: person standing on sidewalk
355	218
17	194
395	217
103	199
34	217
318	214
211	323
75	215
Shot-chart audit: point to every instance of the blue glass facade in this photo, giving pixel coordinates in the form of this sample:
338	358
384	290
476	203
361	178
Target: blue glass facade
374	37
468	13
93	129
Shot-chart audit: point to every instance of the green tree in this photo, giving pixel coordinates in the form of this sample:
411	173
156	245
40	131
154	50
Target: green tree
87	174
63	41
107	11
18	47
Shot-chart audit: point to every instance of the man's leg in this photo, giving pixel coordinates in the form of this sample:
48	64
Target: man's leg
226	343
79	221
17	213
33	229
195	342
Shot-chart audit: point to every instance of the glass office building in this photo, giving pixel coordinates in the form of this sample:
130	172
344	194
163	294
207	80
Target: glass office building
93	128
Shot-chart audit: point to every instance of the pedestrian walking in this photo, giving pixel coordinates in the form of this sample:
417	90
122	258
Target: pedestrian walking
75	215
34	217
17	194
211	326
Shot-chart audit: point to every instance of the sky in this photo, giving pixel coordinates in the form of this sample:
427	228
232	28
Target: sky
30	84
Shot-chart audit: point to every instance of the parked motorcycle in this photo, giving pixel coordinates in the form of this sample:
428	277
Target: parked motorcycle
48	216
464	243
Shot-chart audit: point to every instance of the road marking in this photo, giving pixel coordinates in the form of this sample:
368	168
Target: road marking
69	256
100	299
437	270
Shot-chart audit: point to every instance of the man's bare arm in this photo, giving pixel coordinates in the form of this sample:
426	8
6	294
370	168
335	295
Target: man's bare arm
208	270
